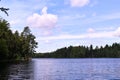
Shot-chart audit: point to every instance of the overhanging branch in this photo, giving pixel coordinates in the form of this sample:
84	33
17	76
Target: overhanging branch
4	10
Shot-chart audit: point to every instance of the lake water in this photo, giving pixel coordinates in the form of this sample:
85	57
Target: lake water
62	69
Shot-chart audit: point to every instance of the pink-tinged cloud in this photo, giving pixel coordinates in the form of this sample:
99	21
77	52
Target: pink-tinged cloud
90	30
117	32
103	34
79	3
45	21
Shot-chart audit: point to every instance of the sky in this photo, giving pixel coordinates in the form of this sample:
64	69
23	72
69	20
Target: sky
63	23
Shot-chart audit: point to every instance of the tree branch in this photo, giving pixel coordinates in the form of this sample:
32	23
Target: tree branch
4	10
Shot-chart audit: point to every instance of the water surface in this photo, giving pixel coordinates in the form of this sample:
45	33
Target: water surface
62	69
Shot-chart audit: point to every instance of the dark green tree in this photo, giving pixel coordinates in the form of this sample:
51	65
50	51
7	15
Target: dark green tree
15	45
28	42
3	49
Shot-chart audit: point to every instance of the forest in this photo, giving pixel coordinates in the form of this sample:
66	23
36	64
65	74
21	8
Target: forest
15	45
108	51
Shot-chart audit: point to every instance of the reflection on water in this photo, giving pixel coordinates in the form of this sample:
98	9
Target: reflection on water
62	69
16	71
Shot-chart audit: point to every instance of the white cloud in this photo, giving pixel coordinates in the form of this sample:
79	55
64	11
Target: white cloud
90	30
105	28
45	21
95	2
101	18
117	32
104	34
82	36
13	22
60	37
79	3
44	10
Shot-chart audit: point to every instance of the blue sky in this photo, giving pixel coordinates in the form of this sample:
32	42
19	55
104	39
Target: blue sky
61	23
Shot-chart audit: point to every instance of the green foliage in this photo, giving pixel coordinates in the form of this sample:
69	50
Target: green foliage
84	52
28	42
3	49
15	45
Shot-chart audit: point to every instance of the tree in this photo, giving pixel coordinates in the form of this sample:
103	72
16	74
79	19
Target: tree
84	52
13	45
16	45
4	27
91	51
28	42
3	49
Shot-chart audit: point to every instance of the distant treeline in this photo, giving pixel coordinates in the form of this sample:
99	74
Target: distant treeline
15	45
108	51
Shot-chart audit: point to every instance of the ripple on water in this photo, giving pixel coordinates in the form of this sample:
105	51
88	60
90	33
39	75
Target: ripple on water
63	69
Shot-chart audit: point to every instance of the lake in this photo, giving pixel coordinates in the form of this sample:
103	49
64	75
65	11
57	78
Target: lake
62	69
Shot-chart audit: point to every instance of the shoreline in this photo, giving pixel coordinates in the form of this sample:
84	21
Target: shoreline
14	61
